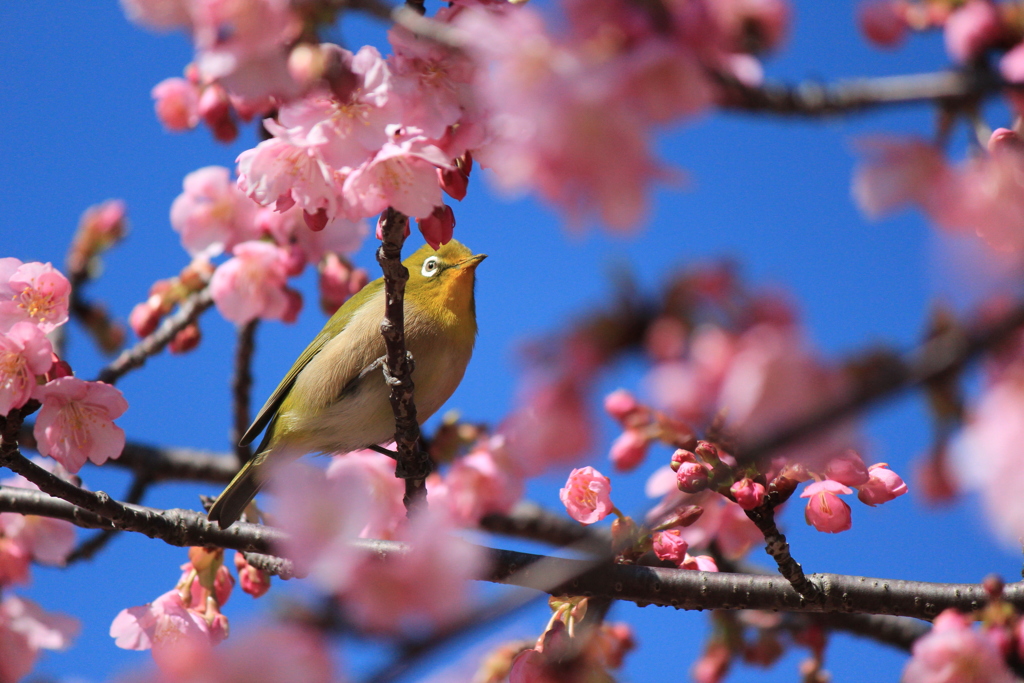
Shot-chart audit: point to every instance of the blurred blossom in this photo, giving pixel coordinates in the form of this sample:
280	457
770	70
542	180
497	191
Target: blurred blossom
32	292
162	626
971	29
176	103
954	652
374	473
76	422
476	485
883	22
255	582
552	425
43	539
25	629
700	563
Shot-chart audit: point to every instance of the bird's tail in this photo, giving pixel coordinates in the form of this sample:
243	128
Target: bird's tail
237	495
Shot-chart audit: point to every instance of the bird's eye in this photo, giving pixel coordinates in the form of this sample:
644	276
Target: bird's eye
430	267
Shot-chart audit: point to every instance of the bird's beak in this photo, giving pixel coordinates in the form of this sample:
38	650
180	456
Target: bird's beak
473	261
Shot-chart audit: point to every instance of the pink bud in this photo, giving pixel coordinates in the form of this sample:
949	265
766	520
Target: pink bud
60	368
692	477
679	457
620	404
972	29
825	511
1004	139
748	493
215	109
848	469
883	23
453	181
293	305
1011	66
882	486
334	283
177	102
255	582
187	339
628	450
315	221
669	545
437	228
144	318
706	450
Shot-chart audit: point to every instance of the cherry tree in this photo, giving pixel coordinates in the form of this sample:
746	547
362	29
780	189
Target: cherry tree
739	415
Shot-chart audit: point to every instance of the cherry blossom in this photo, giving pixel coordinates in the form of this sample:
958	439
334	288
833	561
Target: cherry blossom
748	493
883	22
25	629
476	485
25	352
401	175
162	626
212	215
76	422
255	582
882	486
289	230
437	228
280	174
587	495
552	424
32	292
669	545
252	285
700	563
44	539
374	473
428	585
971	29
953	651
825	511
628	450
176	103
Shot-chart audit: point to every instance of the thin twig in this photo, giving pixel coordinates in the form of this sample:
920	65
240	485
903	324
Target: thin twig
413	464
132	358
241	387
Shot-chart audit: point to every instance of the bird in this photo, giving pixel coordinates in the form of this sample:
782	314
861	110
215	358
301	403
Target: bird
335	397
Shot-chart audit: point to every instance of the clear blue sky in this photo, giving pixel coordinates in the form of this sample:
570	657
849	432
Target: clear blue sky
771	193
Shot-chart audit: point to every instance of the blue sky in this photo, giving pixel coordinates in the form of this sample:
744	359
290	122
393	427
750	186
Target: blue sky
771	193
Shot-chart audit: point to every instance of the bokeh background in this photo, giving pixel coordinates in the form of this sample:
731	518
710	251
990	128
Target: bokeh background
771	193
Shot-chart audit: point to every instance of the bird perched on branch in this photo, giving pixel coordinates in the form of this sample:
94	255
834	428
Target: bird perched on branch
335	398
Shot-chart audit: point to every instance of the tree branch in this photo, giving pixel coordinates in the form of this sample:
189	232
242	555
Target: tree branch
531	521
241	386
413	464
842	97
98	541
132	358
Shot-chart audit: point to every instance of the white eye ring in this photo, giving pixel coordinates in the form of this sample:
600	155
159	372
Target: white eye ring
430	267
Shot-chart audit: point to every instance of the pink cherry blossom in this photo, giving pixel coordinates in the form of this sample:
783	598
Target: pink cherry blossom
212	215
289	231
953	652
883	23
899	172
25	352
825	511
551	425
689	387
848	469
177	102
44	539
321	517
273	654
701	563
76	422
1011	66
428	585
971	29
669	545
25	629
277	173
882	486
401	175
374	473
253	285
620	404
692	477
628	450
15	558
255	582
748	493
476	485
161	625
587	495
32	292
757	25
338	281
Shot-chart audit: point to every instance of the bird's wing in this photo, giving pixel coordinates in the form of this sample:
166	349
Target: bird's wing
333	328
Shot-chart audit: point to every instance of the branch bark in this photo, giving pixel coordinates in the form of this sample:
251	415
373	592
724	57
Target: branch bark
136	356
241	386
413	464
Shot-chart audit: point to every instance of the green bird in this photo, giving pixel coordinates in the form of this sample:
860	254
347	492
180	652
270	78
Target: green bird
333	401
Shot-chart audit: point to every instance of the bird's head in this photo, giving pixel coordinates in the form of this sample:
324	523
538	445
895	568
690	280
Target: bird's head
441	282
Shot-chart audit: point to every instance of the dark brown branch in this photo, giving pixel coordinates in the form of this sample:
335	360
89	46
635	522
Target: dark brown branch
900	632
276	566
413	464
776	545
531	521
132	358
932	360
88	548
842	97
163	464
241	387
678	588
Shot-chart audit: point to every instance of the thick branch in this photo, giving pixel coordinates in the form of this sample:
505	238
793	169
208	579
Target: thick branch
413	464
531	521
820	99
154	343
241	386
899	632
98	541
934	359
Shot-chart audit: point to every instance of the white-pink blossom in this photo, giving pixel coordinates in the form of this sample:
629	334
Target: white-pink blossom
162	625
25	629
212	215
176	101
32	292
587	495
279	174
76	422
253	284
25	353
401	175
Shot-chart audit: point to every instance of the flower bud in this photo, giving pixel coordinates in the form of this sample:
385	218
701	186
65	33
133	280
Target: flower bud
60	368
748	493
687	515
628	450
707	451
455	182
255	582
882	22
291	313
692	477
670	546
315	221
882	486
702	563
679	457
187	339
438	227
176	104
215	109
620	404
